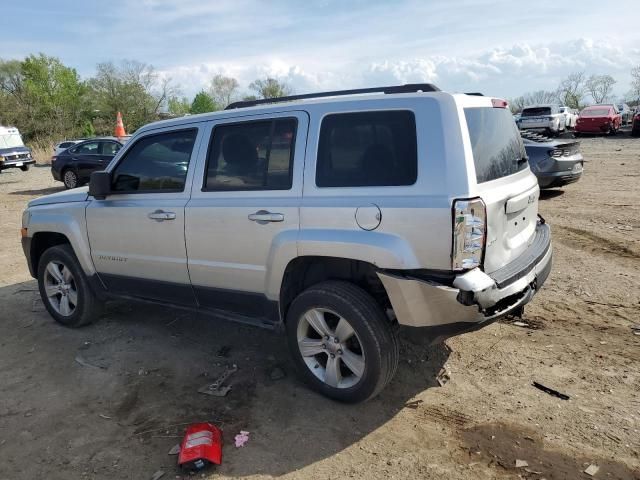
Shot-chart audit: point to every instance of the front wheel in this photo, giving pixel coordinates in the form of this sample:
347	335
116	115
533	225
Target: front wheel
64	288
343	344
25	168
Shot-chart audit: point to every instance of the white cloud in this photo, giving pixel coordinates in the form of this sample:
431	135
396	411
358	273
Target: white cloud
505	71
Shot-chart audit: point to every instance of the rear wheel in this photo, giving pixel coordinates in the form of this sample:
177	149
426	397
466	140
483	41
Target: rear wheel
70	179
64	289
343	344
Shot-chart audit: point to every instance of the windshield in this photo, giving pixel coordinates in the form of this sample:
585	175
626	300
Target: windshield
595	112
536	112
11	140
497	146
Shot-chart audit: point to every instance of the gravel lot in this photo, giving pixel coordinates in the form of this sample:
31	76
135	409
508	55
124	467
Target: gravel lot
110	400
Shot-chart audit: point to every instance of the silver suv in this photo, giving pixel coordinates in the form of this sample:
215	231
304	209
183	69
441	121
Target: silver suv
338	218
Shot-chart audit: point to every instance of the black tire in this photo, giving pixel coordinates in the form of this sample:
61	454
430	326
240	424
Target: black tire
25	168
88	307
376	336
70	179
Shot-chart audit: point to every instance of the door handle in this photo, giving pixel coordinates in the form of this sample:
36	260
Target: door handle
161	216
263	216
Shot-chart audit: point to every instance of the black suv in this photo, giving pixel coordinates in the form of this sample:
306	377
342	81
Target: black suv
74	165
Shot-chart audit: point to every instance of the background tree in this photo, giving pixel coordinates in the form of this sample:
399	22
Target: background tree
539	97
223	90
178	106
203	103
572	89
600	87
270	88
132	88
634	93
42	97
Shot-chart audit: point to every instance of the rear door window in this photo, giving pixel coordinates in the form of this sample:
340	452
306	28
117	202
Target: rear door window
253	155
367	149
498	150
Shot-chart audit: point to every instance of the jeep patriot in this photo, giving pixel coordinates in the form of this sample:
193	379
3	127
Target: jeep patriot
338	218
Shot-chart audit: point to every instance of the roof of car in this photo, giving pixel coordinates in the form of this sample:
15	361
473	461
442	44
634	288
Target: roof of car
285	106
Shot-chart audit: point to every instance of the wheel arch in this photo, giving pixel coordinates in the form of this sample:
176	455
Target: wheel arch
49	226
306	271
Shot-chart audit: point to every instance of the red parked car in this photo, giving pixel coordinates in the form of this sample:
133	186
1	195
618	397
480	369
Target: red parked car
599	119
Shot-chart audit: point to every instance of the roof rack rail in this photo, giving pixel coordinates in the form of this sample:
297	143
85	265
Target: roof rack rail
408	88
475	94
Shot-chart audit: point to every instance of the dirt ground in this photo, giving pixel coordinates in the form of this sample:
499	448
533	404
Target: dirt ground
110	400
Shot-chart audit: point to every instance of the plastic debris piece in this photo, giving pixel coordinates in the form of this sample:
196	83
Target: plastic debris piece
242	438
592	469
520	324
444	375
551	391
216	388
157	475
201	445
521	463
175	450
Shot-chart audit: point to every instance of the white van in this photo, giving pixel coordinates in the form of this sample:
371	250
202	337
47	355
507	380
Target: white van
13	153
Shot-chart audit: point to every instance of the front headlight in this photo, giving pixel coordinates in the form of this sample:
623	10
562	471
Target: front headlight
469	233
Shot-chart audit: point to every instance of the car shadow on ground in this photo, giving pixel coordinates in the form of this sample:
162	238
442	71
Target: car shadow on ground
37	191
549	194
122	390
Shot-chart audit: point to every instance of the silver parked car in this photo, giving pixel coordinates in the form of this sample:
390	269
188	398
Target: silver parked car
338	218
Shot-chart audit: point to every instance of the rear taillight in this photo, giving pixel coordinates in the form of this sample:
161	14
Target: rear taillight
53	159
499	103
469	233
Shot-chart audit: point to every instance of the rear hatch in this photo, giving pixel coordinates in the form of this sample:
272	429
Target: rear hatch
504	182
535	117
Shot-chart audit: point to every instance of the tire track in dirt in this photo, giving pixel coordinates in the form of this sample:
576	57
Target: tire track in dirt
580	239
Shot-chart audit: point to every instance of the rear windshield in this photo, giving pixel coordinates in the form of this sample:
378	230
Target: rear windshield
498	150
535	112
595	112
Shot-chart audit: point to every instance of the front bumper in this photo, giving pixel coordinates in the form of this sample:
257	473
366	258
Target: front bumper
475	298
16	163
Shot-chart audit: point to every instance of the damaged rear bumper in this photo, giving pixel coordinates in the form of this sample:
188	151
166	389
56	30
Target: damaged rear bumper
474	298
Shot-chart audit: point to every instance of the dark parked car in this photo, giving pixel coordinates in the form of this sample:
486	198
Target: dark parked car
74	165
635	128
554	162
599	119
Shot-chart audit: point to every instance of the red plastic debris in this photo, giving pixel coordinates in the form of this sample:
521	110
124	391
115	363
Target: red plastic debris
202	444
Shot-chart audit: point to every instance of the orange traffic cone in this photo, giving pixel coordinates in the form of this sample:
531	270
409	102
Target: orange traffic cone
119	131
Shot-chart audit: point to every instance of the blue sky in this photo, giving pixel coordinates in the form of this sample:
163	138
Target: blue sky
502	48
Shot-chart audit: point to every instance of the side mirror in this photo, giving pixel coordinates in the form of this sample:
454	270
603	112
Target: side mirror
100	185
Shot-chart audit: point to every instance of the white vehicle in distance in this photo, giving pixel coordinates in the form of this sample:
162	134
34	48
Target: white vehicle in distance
60	147
545	118
570	117
336	218
13	152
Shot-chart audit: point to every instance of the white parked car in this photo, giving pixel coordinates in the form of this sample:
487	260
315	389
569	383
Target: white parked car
60	147
570	117
547	118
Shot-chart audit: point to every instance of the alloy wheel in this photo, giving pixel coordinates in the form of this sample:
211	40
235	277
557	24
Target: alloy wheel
60	288
70	179
330	348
